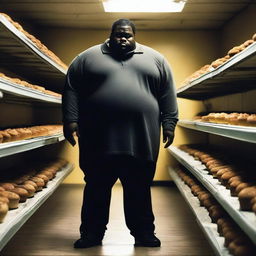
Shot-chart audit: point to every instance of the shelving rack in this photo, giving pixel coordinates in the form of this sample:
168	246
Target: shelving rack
13	91
11	148
20	56
245	219
238	74
243	133
202	216
16	218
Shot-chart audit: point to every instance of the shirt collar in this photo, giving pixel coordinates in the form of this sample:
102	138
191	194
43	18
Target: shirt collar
107	50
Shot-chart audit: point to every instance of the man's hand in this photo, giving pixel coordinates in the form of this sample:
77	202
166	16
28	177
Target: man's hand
70	130
168	137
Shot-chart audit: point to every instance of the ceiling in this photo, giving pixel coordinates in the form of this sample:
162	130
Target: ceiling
89	14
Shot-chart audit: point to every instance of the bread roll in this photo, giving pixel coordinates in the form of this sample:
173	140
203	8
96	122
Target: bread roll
29	188
3	211
39	182
7	185
23	193
245	196
234	51
31	183
44	177
1	137
251	120
4	199
13	199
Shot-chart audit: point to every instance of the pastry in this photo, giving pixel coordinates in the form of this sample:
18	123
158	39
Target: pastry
39	182
233	185
245	196
234	51
4	199
3	211
251	120
242	119
23	193
7	185
44	177
241	186
248	42
224	178
12	197
30	189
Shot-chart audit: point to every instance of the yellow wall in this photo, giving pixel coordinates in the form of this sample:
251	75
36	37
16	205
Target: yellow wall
183	49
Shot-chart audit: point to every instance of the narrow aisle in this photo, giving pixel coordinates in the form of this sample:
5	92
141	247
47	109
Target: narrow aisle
54	227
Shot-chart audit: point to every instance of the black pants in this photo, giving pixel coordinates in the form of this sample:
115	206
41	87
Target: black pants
136	177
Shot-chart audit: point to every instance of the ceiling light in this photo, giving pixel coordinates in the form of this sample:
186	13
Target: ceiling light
143	5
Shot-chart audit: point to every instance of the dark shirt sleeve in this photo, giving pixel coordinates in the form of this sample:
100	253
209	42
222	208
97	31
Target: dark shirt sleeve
70	95
167	99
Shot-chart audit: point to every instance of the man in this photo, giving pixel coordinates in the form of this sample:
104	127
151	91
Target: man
116	96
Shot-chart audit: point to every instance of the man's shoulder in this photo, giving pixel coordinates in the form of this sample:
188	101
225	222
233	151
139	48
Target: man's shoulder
91	50
148	50
82	56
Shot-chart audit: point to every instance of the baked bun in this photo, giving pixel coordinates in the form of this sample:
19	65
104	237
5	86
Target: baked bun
234	51
44	177
23	193
7	185
254	37
251	120
39	182
241	186
13	199
29	188
31	183
3	211
245	196
4	199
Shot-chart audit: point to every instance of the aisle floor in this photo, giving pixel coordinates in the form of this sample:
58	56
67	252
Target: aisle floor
52	230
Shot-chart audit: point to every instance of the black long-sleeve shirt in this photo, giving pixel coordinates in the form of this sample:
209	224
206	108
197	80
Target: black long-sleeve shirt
119	103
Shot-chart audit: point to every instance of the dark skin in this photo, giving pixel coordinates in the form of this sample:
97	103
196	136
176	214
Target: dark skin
122	41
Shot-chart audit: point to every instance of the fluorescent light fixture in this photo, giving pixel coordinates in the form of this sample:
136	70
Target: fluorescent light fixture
143	5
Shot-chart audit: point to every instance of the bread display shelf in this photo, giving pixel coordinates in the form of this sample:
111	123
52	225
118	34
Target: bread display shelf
202	217
238	74
11	90
21	56
243	133
16	218
10	148
245	219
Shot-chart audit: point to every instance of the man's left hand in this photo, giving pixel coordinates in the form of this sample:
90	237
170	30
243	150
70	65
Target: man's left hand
168	137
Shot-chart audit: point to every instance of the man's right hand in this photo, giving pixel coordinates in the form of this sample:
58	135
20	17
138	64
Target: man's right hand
70	130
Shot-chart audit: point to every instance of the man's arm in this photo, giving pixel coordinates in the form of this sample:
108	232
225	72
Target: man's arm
168	105
70	106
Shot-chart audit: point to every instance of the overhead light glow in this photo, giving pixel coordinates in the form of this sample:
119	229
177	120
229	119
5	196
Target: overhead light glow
143	5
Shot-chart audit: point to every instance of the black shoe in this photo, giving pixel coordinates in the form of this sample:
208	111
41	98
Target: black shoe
147	240
87	242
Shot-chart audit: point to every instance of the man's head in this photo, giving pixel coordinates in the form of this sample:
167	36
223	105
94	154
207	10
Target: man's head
122	37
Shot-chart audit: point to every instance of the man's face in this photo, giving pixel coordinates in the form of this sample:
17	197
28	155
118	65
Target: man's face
122	39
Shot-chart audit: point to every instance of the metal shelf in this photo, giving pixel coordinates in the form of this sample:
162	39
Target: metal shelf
238	74
243	133
202	217
245	219
16	218
11	148
11	90
21	56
